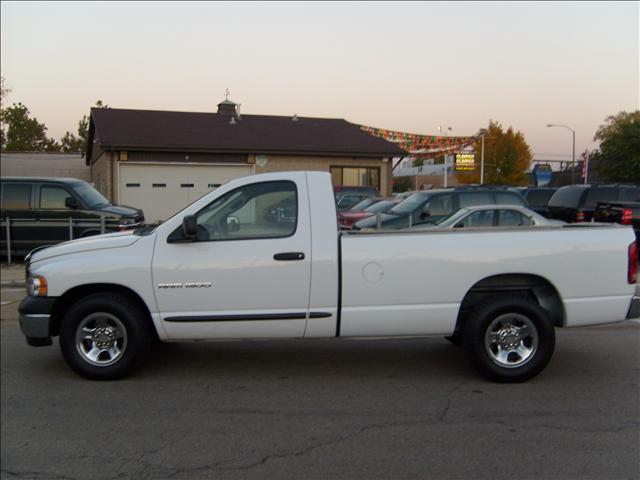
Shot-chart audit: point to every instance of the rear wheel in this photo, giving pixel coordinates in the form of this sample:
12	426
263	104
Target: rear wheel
104	336
509	339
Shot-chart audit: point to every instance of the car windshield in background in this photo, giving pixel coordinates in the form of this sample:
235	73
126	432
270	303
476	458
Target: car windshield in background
89	195
363	204
567	197
410	204
600	194
381	206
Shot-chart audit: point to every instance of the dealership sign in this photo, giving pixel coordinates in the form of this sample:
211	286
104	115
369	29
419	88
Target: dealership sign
465	162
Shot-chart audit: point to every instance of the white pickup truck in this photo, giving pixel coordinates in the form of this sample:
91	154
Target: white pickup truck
262	257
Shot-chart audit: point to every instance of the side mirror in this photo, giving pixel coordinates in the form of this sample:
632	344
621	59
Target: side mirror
233	224
190	226
425	214
70	202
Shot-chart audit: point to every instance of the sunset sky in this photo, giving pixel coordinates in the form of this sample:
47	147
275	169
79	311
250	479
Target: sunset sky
401	66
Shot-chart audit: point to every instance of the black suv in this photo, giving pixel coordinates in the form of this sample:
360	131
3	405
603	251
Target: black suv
577	203
433	206
39	210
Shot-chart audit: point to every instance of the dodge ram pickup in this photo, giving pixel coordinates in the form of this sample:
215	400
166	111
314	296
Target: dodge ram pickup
262	257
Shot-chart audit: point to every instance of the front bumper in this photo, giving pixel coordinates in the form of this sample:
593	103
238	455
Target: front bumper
35	319
634	309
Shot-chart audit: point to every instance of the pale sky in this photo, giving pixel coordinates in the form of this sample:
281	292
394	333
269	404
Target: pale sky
401	66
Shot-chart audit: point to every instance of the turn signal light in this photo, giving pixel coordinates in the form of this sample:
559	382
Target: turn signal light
37	286
580	216
627	216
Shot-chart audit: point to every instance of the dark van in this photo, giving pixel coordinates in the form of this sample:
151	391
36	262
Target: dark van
39	211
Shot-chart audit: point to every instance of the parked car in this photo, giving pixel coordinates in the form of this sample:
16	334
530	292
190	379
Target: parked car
537	198
624	213
350	200
430	207
577	203
39	210
496	216
191	278
365	209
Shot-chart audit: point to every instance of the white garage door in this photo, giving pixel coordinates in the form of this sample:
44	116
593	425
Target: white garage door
161	190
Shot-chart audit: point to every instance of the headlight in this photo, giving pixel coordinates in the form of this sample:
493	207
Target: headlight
37	286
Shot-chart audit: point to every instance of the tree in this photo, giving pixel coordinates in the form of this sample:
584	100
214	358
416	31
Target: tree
618	158
73	143
25	133
506	157
4	91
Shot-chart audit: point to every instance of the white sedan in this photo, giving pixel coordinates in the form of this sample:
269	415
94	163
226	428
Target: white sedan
496	216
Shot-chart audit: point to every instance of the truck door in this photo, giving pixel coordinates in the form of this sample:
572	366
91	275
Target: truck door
246	274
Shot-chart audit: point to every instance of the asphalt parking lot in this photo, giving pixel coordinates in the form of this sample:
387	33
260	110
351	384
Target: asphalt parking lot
322	409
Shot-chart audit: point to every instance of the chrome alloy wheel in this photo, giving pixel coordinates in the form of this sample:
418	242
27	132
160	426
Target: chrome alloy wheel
101	339
511	340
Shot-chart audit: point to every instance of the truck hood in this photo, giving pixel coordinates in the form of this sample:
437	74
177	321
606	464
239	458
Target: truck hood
98	242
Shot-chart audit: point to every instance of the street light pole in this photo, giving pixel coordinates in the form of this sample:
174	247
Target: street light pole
483	132
573	151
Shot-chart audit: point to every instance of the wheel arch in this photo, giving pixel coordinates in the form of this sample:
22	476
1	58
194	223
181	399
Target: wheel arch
71	296
534	287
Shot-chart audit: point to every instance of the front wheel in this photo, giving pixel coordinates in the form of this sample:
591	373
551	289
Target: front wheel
509	339
104	336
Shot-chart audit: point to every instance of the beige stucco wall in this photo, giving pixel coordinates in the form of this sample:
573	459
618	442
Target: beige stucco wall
104	169
277	163
102	175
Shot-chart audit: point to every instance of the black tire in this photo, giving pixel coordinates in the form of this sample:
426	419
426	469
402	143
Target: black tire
111	320
522	323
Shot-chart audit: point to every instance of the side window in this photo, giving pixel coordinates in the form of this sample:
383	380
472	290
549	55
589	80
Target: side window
482	218
504	198
53	198
469	199
511	218
259	210
630	194
16	196
440	205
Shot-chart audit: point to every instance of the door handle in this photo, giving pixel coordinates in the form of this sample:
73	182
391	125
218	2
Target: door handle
289	256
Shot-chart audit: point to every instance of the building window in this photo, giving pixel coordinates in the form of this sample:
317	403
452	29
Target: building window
133	185
159	185
187	185
356	176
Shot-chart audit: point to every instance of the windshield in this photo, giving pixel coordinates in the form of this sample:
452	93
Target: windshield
381	206
409	204
89	195
363	204
453	219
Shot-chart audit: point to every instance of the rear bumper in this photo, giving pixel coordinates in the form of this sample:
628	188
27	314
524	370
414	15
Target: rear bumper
634	309
35	319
